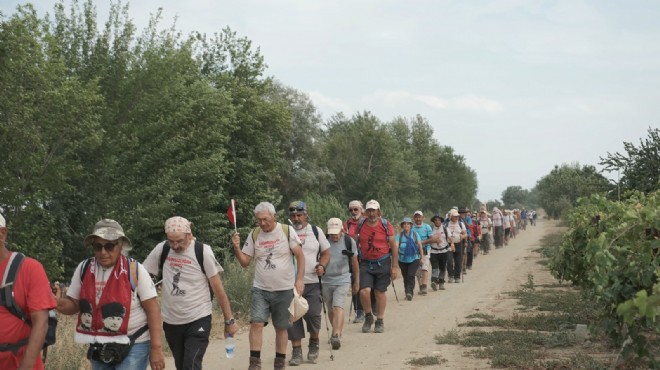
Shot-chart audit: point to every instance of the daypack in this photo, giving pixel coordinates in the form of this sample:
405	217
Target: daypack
199	255
348	251
7	300
409	252
359	227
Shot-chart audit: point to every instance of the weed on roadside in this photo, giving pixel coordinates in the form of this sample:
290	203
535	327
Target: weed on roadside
449	337
426	361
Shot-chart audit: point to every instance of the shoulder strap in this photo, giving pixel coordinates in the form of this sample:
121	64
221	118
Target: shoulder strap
84	268
163	257
199	254
15	262
315	230
347	244
285	229
255	233
133	273
384	222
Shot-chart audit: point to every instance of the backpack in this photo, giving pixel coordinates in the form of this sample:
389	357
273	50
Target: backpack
7	300
348	251
406	252
285	229
199	255
359	227
132	271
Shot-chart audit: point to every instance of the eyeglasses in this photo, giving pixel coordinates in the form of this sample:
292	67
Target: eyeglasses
296	209
109	247
354	209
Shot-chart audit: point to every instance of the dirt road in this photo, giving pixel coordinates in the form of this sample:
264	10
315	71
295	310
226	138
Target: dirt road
410	326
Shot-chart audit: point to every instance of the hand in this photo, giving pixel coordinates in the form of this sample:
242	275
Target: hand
394	273
453	248
320	270
156	359
57	290
236	240
230	330
300	286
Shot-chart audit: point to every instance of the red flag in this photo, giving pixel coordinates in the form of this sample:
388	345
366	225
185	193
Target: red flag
231	212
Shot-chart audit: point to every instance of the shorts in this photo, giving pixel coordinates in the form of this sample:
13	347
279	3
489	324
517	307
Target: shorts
376	275
312	293
425	262
274	304
335	295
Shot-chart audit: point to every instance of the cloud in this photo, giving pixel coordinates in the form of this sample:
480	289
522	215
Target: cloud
464	102
327	104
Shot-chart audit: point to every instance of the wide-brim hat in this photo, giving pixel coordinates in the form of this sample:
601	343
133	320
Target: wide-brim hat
454	213
406	220
109	230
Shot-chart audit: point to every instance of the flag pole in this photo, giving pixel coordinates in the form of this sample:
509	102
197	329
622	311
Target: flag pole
233	212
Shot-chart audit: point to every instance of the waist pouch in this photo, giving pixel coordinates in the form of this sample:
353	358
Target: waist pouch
109	353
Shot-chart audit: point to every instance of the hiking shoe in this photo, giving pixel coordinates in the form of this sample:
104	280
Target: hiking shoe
422	289
408	297
469	267
380	326
434	286
368	321
255	363
450	280
279	364
359	317
457	280
441	286
313	351
335	341
296	356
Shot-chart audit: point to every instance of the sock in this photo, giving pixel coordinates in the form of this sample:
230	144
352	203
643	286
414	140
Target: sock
256	354
280	355
312	340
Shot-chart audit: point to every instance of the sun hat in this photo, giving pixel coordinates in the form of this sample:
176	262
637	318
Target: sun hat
406	220
334	226
372	204
109	230
435	217
453	213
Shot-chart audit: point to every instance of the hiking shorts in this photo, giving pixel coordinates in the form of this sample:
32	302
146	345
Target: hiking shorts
335	295
312	293
274	304
376	275
425	262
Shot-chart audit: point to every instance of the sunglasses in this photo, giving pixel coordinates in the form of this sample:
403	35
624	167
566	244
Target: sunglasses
353	209
296	209
109	247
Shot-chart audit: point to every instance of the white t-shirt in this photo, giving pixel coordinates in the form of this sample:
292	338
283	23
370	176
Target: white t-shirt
311	249
506	221
485	224
274	269
185	290
440	247
497	219
144	290
454	230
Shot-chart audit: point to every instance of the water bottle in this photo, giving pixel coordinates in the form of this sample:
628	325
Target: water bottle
230	346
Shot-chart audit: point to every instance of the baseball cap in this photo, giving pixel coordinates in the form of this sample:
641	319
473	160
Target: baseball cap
297	206
418	213
372	204
334	226
109	230
3	223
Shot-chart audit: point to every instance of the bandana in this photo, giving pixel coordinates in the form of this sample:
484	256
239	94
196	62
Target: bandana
177	225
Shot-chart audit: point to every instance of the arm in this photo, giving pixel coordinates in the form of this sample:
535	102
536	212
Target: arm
323	262
36	340
356	274
421	249
66	305
151	308
300	268
223	302
242	258
395	257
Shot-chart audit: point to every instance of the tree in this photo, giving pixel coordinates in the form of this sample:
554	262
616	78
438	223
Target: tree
640	166
515	197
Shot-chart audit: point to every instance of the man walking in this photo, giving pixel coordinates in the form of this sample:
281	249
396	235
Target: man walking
457	233
23	339
356	210
378	265
343	274
190	273
425	234
272	246
439	252
316	249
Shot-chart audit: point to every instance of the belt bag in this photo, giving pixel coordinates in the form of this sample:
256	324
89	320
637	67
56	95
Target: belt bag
113	353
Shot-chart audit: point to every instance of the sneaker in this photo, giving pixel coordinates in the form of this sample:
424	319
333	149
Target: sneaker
450	280
408	297
457	280
368	321
335	341
313	352
380	327
422	289
255	363
296	356
279	364
465	272
441	286
469	267
434	286
359	317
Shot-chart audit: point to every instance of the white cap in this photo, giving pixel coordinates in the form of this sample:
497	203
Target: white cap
3	223
334	226
453	213
418	213
372	204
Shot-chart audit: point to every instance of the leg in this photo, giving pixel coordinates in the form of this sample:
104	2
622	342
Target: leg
174	334
196	342
407	289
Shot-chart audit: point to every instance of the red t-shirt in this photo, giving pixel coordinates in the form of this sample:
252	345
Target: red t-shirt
373	240
32	293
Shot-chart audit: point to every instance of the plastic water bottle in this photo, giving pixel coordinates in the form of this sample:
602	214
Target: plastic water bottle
230	346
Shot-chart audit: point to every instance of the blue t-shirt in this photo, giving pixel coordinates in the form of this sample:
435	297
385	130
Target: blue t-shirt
424	231
403	245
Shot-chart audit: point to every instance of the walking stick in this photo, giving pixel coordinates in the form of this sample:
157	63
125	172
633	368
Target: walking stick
395	295
325	314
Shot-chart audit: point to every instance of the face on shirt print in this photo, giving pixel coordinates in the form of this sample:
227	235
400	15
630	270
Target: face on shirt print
113	316
112	323
86	320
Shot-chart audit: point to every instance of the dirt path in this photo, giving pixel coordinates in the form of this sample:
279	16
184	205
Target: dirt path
410	326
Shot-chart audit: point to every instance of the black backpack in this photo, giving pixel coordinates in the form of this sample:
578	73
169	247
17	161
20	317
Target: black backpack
7	300
199	254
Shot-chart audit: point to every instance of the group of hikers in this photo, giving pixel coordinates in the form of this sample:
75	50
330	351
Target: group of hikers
120	317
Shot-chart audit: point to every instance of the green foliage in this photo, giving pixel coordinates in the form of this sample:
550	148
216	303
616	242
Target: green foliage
559	190
611	251
515	197
639	166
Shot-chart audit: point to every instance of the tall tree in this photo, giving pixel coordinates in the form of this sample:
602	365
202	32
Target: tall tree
515	197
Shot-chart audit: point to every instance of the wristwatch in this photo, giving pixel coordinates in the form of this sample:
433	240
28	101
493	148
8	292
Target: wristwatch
229	322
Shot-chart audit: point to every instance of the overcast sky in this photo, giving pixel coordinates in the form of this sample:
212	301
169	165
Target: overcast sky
515	86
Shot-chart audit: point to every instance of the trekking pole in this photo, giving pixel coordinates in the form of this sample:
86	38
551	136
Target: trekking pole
325	314
395	295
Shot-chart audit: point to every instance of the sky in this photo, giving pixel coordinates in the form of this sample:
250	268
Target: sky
514	86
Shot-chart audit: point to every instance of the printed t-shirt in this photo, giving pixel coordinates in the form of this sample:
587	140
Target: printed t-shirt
497	219
373	240
440	247
185	290
310	247
454	230
274	269
338	271
32	293
144	290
